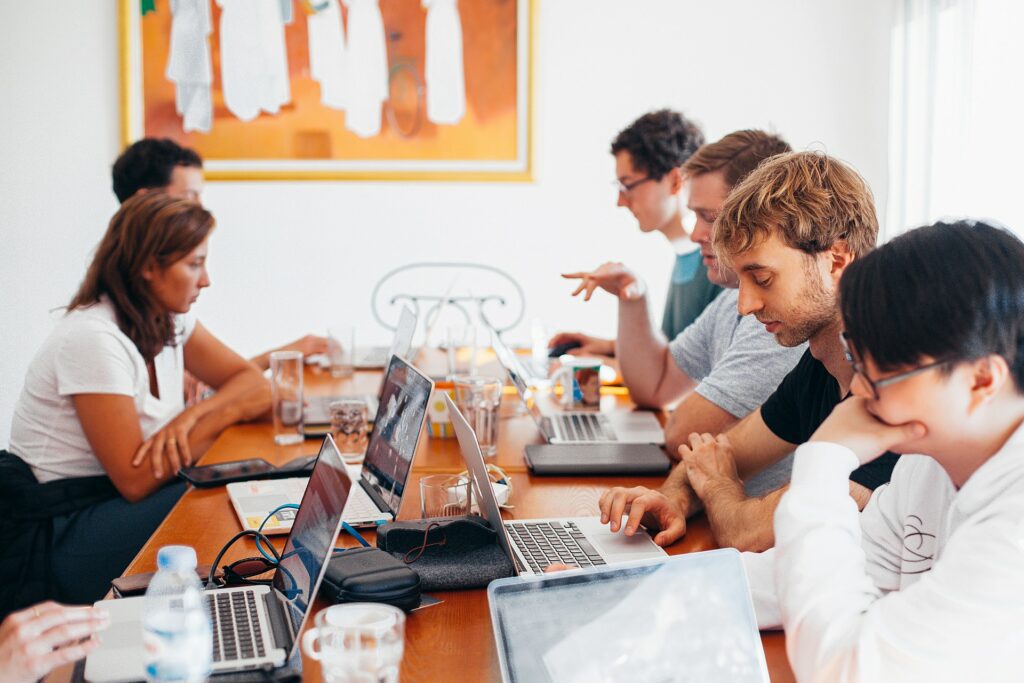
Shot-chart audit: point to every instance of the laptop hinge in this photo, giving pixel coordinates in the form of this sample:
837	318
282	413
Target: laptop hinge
371	491
280	621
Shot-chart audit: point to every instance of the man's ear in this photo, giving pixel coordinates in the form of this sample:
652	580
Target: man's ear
141	190
988	375
676	180
840	257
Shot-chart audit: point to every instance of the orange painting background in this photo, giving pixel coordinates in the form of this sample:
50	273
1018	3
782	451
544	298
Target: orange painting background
305	129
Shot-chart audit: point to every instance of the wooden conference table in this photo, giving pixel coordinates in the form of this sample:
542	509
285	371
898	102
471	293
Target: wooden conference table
451	641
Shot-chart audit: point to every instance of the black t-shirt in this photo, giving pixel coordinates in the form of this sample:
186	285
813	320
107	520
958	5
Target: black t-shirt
803	400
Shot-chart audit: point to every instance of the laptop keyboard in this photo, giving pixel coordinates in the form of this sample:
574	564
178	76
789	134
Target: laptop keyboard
544	543
360	507
236	627
583	427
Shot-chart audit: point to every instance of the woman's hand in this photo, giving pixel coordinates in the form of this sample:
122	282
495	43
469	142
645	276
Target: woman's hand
169	443
35	641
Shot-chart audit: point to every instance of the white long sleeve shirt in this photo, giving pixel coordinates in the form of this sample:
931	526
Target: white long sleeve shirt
926	584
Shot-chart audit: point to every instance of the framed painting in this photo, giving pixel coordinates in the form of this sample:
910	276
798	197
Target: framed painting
334	89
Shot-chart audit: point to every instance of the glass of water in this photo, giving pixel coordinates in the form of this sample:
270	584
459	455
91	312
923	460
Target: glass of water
349	428
357	642
479	399
341	350
286	391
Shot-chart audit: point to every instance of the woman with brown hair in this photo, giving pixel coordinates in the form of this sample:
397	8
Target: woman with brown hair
104	395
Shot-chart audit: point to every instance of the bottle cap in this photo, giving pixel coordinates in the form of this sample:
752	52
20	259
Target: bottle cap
176	557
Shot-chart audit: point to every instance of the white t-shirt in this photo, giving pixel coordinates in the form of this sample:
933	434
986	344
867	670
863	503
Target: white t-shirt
87	353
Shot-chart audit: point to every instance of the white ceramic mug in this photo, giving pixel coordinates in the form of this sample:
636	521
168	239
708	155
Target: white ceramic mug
357	642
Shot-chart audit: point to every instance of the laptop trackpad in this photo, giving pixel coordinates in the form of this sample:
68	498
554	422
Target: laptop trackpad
120	654
618	547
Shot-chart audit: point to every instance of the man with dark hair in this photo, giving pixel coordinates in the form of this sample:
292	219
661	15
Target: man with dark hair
153	163
649	156
162	165
926	583
788	231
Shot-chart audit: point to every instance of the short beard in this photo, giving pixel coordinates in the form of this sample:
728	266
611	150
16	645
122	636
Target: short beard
817	310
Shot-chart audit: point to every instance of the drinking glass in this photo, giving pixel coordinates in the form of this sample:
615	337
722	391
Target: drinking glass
479	398
357	642
286	392
341	349
444	495
349	422
461	348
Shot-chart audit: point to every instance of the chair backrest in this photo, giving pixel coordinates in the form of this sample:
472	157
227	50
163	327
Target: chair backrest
444	293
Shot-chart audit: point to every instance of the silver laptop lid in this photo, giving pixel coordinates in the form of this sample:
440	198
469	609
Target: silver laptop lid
314	532
404	397
404	332
688	617
470	449
507	359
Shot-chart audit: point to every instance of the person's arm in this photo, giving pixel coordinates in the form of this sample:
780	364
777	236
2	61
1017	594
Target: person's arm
646	366
309	345
37	640
242	394
695	414
588	346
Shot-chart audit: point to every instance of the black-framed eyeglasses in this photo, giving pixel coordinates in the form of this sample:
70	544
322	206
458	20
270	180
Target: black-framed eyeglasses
626	188
876	384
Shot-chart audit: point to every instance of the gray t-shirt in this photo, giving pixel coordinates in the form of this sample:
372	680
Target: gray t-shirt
739	364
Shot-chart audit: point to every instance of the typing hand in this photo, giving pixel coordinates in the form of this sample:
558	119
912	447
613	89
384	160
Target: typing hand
851	425
614	278
651	508
169	443
35	641
309	345
587	345
709	462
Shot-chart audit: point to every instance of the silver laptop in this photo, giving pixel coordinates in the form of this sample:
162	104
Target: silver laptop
580	427
316	413
378	357
254	627
683	618
536	543
377	498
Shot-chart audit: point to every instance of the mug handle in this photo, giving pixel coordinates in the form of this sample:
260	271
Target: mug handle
309	640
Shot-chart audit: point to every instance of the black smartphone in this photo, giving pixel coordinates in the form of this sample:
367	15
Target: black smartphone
205	476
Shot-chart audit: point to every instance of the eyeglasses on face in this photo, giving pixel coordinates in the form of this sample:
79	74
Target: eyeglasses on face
626	188
876	384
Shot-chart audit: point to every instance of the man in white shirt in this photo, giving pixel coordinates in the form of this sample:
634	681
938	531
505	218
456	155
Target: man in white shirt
927	584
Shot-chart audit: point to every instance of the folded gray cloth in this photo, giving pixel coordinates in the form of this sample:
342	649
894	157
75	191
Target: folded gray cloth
442	570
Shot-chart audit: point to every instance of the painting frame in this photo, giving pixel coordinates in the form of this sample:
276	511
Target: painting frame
521	169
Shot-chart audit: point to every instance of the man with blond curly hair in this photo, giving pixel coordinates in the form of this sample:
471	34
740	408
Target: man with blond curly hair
789	230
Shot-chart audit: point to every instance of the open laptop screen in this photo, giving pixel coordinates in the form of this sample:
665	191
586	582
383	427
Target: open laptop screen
400	415
313	535
507	358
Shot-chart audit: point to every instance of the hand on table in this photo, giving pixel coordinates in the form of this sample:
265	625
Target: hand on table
588	346
851	425
614	278
709	463
653	509
35	641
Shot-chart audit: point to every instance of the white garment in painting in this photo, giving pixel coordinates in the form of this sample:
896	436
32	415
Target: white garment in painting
366	68
327	54
254	61
188	63
446	79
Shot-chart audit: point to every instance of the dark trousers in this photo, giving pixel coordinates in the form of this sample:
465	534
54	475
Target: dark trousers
93	546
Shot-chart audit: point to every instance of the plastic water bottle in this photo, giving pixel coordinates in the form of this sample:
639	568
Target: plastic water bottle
176	626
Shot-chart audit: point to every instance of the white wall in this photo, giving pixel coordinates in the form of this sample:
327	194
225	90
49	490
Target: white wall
815	71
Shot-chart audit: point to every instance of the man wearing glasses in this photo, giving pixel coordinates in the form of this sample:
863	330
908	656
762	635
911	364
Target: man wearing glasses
788	231
649	155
